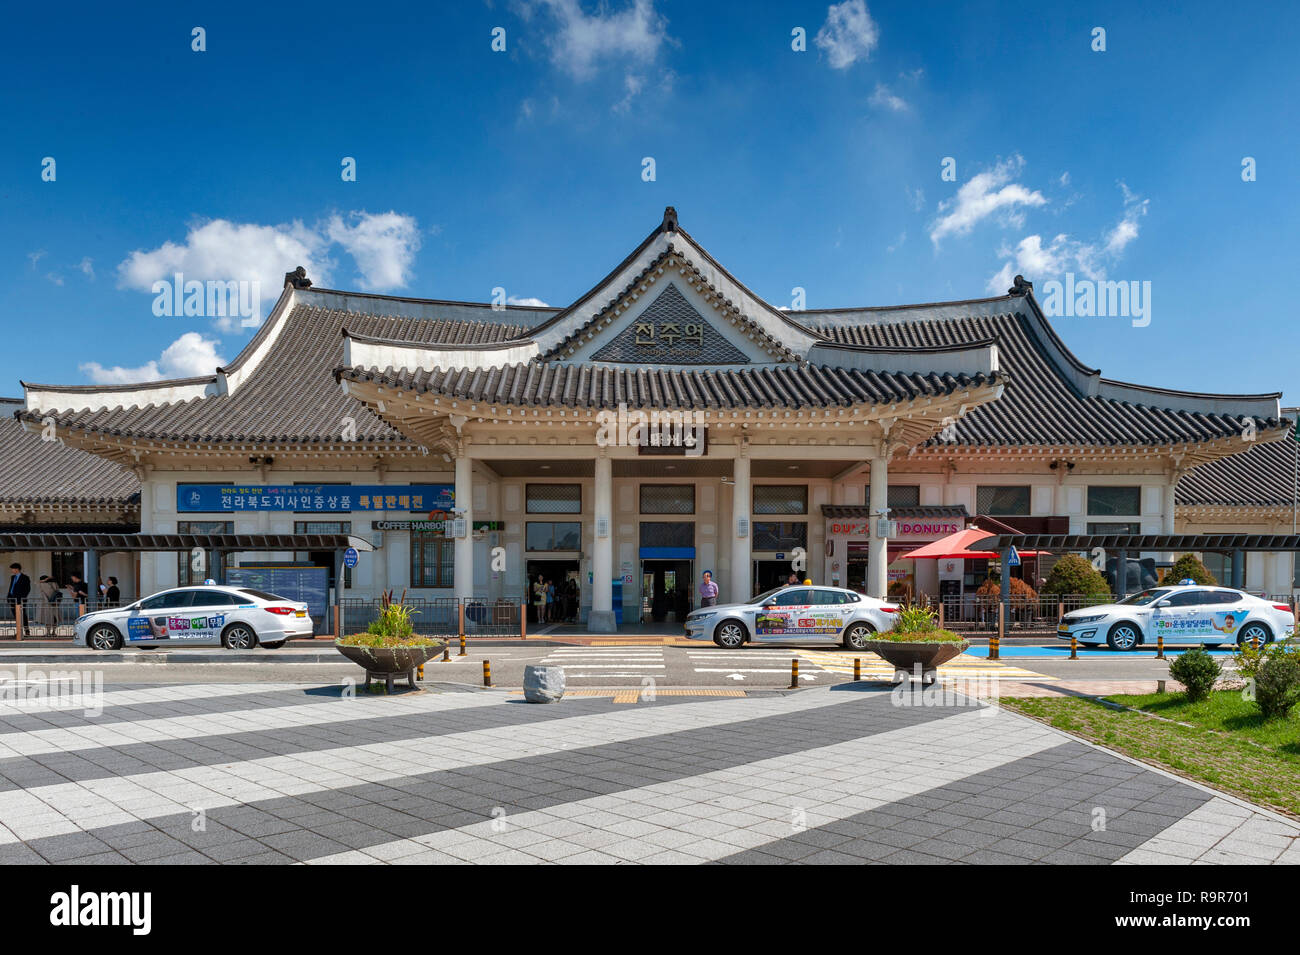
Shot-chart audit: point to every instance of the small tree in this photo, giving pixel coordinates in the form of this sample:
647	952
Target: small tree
1197	671
1073	574
1274	672
1189	566
1022	595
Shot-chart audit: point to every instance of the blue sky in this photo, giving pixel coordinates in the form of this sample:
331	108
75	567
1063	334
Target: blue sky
523	169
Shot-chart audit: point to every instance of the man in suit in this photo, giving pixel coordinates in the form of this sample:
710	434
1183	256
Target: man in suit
20	585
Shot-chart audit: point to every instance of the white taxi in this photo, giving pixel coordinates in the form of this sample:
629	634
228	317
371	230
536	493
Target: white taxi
1180	614
797	612
233	617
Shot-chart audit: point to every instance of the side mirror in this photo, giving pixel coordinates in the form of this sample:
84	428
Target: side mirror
1162	604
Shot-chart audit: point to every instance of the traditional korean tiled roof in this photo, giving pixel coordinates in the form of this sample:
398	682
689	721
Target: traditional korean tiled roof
597	386
36	473
292	396
1262	476
1043	403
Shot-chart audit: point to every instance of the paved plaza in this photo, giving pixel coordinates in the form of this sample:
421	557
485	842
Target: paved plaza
288	772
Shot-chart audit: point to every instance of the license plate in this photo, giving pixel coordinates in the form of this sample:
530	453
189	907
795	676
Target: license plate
1062	629
300	613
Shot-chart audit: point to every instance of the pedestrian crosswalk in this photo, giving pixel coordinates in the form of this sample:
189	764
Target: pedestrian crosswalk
751	663
603	663
963	668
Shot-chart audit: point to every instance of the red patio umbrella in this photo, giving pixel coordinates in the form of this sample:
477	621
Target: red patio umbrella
956	546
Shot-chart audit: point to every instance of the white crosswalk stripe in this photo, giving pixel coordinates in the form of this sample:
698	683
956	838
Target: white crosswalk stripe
590	663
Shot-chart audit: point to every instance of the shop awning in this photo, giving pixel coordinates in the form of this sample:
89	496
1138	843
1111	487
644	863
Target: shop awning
958	546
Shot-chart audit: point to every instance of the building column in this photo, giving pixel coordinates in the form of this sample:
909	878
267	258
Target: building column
463	569
878	548
742	569
602	619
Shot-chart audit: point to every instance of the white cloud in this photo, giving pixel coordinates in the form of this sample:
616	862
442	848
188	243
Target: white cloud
230	251
915	197
1126	230
848	35
884	98
985	194
36	256
190	356
383	246
512	300
633	84
87	267
581	41
1032	259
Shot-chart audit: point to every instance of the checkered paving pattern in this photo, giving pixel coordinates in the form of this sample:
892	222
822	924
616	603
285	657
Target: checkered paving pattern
266	773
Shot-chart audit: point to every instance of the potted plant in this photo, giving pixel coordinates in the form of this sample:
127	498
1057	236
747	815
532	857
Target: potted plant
916	641
389	647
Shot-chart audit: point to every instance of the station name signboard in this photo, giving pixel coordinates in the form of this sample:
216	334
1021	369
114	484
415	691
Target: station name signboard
322	498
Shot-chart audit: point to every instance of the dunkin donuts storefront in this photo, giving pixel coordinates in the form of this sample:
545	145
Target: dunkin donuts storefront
847	538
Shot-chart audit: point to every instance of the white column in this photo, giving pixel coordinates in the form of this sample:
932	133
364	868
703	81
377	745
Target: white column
1167	509
878	550
601	619
742	570
464	554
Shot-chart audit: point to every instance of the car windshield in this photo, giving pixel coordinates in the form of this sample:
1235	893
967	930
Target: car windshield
1144	598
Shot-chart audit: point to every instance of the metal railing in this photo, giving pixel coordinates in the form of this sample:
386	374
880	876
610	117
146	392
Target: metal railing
43	620
441	616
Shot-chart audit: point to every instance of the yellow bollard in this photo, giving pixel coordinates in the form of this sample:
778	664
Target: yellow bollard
462	646
857	669
1074	647
1160	646
487	673
419	673
446	652
794	674
1254	642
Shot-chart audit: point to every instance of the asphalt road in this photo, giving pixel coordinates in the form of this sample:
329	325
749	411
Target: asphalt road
758	667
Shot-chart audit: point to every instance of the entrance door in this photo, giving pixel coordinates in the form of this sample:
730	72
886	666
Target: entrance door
769	574
666	590
567	595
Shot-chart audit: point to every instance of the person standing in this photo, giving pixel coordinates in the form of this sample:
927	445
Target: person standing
113	594
708	590
539	599
80	590
20	585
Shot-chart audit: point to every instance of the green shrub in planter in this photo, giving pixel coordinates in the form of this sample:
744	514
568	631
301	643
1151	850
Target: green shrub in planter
917	624
1275	672
1197	671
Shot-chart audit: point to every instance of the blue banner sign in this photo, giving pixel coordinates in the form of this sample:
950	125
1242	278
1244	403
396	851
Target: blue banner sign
324	498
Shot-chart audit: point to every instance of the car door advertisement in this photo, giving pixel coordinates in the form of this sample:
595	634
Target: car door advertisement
799	621
169	627
1198	622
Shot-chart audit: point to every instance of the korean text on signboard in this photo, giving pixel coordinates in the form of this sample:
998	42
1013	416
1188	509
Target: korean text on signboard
323	498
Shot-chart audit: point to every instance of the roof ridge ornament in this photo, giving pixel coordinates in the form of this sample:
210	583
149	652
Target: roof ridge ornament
1020	286
297	278
670	219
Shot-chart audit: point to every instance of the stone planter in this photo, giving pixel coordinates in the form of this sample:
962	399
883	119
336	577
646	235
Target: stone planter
906	657
387	663
543	684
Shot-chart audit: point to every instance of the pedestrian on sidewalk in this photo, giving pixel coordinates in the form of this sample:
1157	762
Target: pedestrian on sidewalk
20	585
113	594
708	590
539	599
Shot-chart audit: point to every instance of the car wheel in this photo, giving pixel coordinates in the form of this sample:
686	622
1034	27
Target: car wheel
1123	636
238	636
856	637
104	637
273	645
730	634
1253	631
